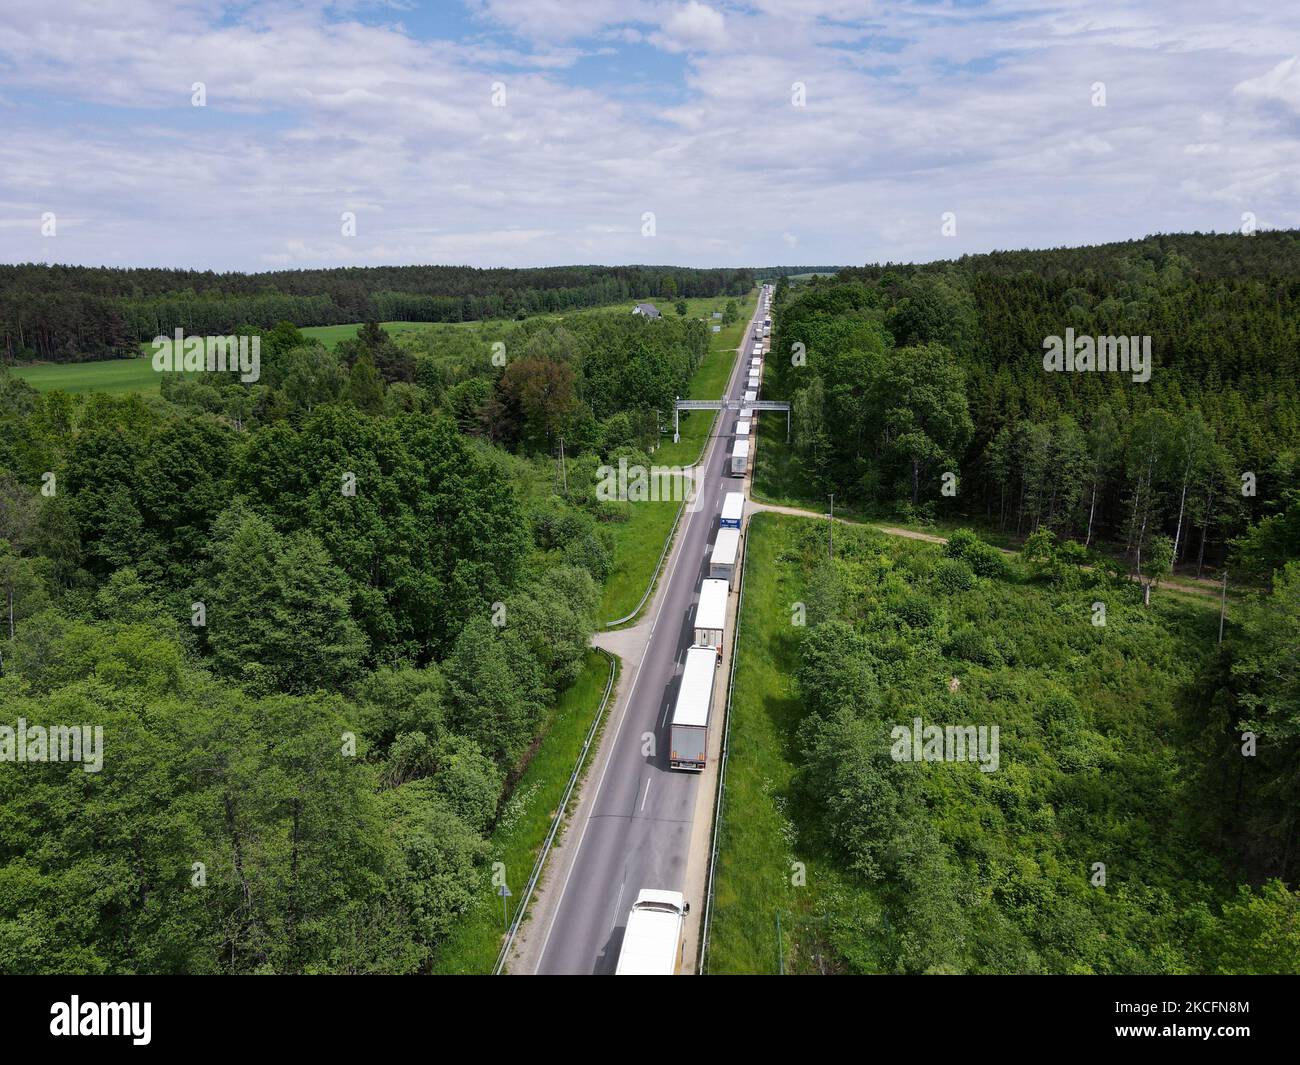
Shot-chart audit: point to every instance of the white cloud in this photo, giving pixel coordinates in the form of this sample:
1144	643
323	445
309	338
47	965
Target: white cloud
1280	85
694	27
912	110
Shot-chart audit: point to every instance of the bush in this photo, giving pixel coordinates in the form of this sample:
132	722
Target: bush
954	575
971	645
915	612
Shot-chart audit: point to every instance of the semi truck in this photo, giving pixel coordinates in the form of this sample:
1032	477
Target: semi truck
740	458
733	510
653	941
711	614
742	429
688	733
726	550
751	396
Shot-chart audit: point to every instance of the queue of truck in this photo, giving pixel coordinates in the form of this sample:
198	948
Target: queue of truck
654	937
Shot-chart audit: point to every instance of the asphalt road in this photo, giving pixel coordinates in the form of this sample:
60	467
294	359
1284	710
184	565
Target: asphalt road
639	829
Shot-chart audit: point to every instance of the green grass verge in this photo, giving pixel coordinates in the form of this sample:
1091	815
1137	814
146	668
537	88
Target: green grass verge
753	873
521	831
638	543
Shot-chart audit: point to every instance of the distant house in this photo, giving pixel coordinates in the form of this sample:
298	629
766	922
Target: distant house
717	329
717	314
646	310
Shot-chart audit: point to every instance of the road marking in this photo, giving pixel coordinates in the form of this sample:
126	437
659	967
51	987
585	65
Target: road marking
648	782
577	852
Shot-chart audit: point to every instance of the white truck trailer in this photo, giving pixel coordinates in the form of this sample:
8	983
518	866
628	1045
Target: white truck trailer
726	555
733	510
711	614
688	733
742	430
751	396
653	943
740	458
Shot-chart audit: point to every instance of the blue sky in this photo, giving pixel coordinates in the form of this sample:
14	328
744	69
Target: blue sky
616	110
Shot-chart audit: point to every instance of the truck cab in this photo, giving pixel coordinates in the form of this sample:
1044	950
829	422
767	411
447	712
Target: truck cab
653	942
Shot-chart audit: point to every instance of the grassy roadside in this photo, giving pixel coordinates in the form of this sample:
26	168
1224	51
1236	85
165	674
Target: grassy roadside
757	838
639	541
525	821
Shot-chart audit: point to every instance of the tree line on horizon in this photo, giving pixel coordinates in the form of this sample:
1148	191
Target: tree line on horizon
75	313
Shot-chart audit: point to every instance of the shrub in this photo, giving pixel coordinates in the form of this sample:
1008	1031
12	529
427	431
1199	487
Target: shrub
954	575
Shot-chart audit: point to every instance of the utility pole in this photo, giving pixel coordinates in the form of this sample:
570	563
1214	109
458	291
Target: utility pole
831	541
1223	602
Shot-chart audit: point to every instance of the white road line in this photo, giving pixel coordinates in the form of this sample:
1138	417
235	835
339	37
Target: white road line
648	782
577	852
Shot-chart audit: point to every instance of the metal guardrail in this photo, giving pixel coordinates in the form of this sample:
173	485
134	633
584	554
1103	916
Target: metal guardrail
722	764
722	761
672	533
556	821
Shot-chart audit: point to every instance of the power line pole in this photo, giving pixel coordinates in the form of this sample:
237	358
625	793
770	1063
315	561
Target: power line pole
831	541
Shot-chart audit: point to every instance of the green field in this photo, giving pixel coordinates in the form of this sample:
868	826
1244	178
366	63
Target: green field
120	376
330	335
114	376
524	822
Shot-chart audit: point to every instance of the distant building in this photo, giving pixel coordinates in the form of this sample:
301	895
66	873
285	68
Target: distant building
647	310
717	329
717	314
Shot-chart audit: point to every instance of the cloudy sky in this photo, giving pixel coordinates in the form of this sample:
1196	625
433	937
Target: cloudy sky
534	132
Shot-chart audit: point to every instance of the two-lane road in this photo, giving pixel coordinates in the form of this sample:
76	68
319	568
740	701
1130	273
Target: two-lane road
638	831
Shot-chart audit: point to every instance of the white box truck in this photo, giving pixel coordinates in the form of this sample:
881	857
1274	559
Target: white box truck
726	553
653	943
751	396
742	430
688	733
733	510
711	614
740	458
